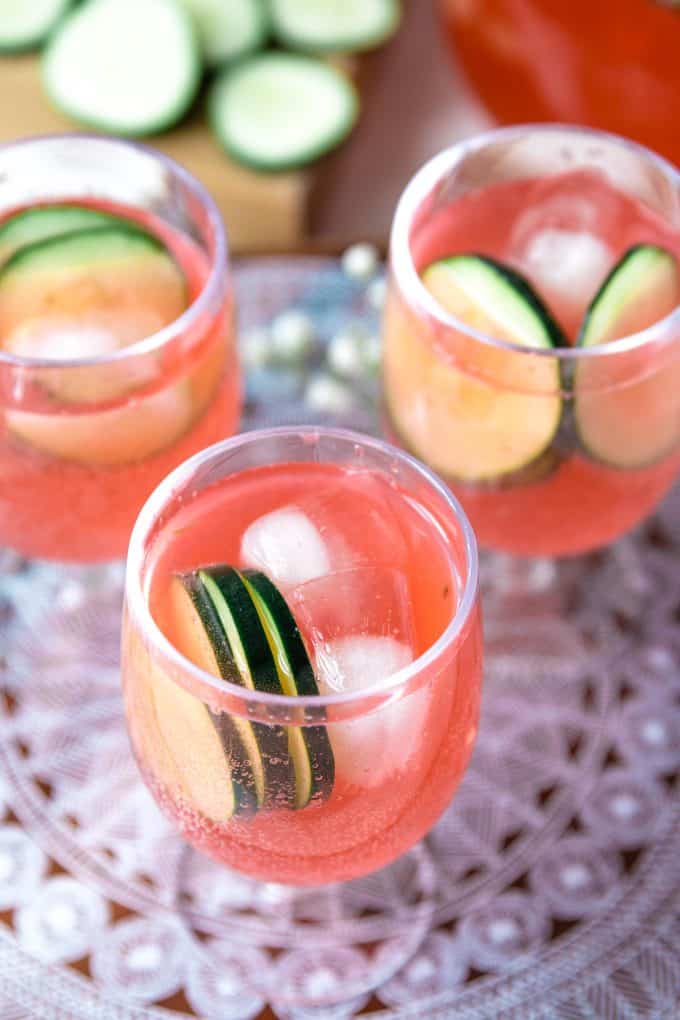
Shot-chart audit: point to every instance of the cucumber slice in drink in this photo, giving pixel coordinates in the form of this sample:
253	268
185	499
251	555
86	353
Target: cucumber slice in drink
88	294
42	222
468	428
198	759
280	111
229	28
24	24
85	294
309	746
630	424
243	650
334	26
107	439
129	67
200	637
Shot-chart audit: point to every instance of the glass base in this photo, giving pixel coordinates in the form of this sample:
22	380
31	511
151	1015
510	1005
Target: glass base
548	613
342	940
56	616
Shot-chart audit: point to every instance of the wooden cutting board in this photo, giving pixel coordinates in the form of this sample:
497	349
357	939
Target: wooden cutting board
412	105
262	211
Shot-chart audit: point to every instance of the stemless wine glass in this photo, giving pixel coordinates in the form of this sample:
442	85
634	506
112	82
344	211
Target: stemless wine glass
390	754
84	440
552	450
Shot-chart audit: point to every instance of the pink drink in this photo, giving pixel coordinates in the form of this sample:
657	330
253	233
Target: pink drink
82	445
444	388
391	596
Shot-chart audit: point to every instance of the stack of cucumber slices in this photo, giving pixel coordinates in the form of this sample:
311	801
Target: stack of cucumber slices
134	67
481	433
236	625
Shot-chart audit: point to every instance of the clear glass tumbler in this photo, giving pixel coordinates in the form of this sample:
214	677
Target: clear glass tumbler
85	439
393	751
552	449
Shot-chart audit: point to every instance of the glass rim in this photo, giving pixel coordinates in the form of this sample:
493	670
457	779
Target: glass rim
141	614
218	268
435	169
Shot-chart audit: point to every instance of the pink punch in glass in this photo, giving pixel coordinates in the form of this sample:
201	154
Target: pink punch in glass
127	363
378	567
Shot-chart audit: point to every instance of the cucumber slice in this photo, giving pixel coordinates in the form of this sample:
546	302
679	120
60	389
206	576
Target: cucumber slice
309	746
199	636
89	294
466	428
129	67
24	24
243	644
85	294
196	759
334	26
630	425
279	111
42	222
229	29
107	439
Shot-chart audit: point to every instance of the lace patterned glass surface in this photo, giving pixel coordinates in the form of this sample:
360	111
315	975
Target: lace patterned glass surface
551	887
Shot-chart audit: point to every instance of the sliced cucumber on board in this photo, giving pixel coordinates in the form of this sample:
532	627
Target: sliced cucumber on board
280	111
40	223
129	67
465	427
309	746
228	29
334	26
624	423
25	24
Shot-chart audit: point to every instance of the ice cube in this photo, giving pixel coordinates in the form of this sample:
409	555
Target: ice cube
368	749
354	663
363	600
344	522
557	240
287	546
569	264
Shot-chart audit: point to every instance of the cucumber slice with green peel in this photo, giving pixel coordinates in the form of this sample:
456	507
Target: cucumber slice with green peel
228	29
641	289
43	222
624	423
280	111
128	434
129	67
466	427
309	746
200	637
197	754
87	294
486	291
334	26
25	24
244	642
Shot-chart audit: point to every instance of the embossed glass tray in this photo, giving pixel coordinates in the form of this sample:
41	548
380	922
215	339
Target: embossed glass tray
550	888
